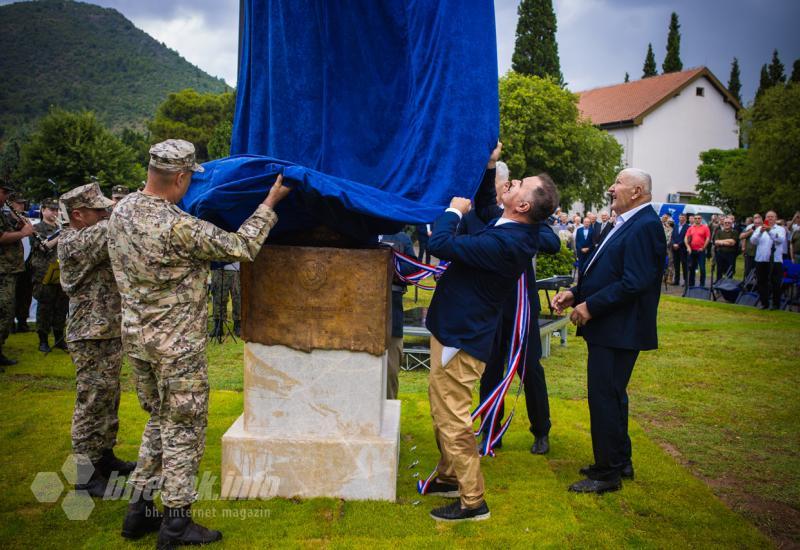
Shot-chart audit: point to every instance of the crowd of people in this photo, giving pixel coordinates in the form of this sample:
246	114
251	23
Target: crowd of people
764	242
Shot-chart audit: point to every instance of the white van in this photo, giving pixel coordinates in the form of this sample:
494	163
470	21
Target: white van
674	209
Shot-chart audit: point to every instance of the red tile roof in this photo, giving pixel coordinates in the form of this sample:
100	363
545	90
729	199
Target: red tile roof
629	102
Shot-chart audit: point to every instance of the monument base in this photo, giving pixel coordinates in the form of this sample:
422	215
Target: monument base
356	468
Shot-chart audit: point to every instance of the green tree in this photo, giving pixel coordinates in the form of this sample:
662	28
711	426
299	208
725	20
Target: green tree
541	130
764	82
70	148
766	176
536	49
672	62
734	82
191	116
220	143
649	68
627	77
551	265
709	175
776	70
795	71
139	142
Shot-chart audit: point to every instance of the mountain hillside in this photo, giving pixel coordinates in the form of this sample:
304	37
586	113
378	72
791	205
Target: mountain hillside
81	56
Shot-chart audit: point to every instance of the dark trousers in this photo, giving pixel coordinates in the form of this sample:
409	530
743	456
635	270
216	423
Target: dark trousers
423	252
697	259
769	282
534	381
679	262
726	261
749	264
24	293
609	370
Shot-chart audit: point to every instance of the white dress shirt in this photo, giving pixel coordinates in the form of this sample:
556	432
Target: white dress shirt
763	241
621	219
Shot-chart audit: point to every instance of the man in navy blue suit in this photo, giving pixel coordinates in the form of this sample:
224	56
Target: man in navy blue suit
463	318
584	242
615	308
534	382
679	253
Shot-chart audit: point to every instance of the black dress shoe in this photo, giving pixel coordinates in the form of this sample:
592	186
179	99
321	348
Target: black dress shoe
595	486
6	362
454	512
626	472
441	489
541	446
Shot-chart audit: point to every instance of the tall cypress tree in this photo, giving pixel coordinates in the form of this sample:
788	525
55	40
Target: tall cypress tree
649	68
764	81
536	49
627	77
734	82
776	74
672	62
795	71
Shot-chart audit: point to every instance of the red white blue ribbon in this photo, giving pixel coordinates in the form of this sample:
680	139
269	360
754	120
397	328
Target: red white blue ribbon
419	271
490	407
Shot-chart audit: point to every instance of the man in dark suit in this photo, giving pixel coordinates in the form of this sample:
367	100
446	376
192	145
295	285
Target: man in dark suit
534	382
602	228
423	232
678	247
463	318
615	307
584	243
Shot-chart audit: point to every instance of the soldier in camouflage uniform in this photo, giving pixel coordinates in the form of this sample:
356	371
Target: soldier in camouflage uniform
24	290
93	334
118	192
51	313
160	256
12	231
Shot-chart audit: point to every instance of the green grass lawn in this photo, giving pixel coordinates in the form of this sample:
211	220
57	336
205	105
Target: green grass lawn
713	411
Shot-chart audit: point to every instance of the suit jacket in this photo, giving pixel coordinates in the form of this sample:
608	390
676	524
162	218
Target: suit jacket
679	237
466	307
421	232
401	243
601	232
622	286
581	242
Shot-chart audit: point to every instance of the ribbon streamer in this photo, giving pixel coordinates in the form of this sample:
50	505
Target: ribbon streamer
490	407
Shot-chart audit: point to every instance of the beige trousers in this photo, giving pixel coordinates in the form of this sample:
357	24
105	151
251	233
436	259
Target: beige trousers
450	394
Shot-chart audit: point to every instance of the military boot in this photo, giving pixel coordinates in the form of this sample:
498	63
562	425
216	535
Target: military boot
110	463
44	346
96	485
142	518
178	529
60	342
237	328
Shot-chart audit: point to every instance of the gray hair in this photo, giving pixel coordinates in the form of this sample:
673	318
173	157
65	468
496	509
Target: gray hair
502	173
641	177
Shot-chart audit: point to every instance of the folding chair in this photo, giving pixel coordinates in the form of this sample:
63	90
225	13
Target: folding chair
790	284
748	299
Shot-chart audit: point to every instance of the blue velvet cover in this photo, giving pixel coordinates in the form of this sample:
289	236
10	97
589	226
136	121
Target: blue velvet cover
379	111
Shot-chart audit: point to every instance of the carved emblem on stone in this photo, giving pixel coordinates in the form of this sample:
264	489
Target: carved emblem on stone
313	274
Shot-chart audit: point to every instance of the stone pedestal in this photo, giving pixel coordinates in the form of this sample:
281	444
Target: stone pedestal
316	421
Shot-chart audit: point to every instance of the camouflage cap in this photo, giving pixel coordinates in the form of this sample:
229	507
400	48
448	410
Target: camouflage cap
50	203
174	155
17	197
85	196
119	191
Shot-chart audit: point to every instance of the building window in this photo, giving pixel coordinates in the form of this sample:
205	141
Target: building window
700	91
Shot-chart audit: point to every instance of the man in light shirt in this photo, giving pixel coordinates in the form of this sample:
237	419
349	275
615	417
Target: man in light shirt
768	238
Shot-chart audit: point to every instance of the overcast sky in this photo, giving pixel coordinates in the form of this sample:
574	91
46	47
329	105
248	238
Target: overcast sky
598	40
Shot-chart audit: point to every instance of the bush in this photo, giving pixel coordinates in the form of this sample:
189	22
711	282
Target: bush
550	265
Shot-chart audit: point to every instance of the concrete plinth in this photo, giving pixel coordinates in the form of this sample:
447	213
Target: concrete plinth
316	420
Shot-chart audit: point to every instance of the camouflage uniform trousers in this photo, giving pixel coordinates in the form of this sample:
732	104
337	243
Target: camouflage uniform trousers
175	393
51	312
223	283
8	285
95	420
